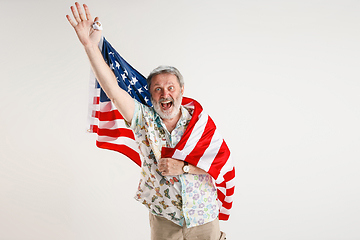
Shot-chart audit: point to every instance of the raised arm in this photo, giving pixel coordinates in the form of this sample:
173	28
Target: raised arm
90	38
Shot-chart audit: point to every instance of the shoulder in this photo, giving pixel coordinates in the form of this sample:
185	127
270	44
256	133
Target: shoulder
142	114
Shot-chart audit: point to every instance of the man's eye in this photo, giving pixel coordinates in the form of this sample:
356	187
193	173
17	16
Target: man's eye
171	88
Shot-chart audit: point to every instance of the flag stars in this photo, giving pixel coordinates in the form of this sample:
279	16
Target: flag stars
123	76
140	90
117	65
133	81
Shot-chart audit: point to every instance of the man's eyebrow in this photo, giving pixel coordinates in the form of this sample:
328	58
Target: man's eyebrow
166	84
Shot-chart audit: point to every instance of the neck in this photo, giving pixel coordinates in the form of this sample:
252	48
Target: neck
171	123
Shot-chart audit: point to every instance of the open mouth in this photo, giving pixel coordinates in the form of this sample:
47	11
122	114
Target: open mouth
166	105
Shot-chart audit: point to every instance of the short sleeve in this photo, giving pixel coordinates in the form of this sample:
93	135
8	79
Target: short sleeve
141	112
136	119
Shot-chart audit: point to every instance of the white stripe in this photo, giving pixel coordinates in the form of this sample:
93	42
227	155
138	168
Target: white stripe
193	138
225	210
107	106
228	199
230	183
211	151
120	141
115	124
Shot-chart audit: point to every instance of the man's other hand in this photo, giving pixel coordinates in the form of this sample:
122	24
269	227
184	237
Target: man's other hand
170	166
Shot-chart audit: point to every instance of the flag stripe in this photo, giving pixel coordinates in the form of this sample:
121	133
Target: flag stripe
115	133
221	157
202	144
130	153
191	139
211	152
115	124
108	116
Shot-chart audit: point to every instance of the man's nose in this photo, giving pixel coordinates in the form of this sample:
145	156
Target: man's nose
164	93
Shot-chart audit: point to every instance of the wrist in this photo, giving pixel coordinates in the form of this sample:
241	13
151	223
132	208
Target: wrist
91	47
186	168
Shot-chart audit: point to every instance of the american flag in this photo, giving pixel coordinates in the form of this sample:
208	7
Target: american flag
104	119
201	145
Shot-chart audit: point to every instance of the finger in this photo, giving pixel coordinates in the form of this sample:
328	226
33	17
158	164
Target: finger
87	12
163	167
165	173
75	14
81	14
72	23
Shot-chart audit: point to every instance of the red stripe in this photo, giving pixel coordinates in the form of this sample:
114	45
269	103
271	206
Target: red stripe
121	132
123	149
167	152
223	217
220	160
108	116
227	205
221	197
94	128
230	191
96	100
229	175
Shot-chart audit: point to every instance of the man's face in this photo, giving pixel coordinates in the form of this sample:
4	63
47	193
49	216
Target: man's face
166	95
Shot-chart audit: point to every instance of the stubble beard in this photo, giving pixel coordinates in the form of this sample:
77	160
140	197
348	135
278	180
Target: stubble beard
172	112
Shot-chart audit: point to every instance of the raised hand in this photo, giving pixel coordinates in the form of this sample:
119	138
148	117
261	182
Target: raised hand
82	24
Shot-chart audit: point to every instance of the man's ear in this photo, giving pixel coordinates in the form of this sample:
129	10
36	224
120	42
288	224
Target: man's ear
182	90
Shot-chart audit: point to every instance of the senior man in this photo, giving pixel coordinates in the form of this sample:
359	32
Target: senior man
176	193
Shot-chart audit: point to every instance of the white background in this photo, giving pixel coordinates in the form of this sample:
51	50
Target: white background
280	79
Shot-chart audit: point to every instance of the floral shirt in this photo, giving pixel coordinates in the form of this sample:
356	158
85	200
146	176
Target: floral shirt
185	198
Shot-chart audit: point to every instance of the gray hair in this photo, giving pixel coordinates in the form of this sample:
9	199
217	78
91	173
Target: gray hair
165	69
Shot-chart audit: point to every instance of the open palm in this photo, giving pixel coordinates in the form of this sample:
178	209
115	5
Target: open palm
82	24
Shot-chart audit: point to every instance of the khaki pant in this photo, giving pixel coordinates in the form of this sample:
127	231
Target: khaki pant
163	229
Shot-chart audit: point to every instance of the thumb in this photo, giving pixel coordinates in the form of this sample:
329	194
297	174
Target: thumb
97	24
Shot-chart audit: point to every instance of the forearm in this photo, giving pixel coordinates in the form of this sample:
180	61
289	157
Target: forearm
107	80
102	71
171	166
195	170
